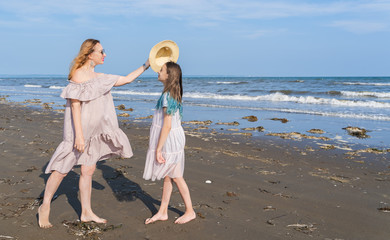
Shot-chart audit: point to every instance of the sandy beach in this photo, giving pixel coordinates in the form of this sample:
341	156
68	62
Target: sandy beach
242	187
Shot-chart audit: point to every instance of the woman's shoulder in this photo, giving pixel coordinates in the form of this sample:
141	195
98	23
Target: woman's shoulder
79	76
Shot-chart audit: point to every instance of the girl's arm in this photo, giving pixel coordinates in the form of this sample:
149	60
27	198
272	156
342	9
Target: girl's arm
133	75
76	114
166	128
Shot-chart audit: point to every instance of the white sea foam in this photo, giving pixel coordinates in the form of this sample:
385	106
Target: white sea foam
279	97
365	83
56	87
275	97
137	93
226	82
366	94
33	86
300	111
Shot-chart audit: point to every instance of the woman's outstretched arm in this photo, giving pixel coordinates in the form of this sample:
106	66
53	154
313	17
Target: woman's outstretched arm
133	75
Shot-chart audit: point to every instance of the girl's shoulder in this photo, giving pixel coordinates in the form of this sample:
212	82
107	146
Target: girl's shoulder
170	103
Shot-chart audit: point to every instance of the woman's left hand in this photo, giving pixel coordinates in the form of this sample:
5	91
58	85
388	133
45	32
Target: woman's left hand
159	157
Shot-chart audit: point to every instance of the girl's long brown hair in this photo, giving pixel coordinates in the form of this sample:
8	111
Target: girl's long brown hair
173	84
86	48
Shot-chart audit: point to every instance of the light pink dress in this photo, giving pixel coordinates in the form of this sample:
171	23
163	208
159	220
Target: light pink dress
102	135
173	149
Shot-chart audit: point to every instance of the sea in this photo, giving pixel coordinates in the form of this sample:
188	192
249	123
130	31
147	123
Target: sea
327	103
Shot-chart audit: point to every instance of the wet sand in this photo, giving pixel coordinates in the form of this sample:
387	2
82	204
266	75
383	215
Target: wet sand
263	188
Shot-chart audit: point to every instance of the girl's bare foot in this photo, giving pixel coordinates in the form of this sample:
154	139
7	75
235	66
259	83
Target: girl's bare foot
157	217
43	217
187	216
92	217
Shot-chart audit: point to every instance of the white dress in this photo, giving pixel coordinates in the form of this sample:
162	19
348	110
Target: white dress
173	149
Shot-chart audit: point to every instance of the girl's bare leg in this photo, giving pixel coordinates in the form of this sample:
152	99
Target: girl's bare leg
85	186
162	213
185	195
52	185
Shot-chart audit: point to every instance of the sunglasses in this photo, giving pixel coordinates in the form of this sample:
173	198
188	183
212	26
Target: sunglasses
102	51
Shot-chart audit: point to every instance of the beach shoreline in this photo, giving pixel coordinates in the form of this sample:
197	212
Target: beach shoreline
264	186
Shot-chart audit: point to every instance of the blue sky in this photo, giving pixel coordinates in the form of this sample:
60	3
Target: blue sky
215	37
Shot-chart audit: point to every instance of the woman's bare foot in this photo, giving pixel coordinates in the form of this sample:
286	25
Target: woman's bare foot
157	217
187	216
43	217
92	217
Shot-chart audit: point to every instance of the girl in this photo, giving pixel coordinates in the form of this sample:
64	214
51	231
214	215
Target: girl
165	157
91	131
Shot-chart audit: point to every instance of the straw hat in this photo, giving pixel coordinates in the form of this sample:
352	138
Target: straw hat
163	52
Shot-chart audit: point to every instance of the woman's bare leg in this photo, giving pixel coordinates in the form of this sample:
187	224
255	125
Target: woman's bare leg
185	195
85	186
52	185
162	213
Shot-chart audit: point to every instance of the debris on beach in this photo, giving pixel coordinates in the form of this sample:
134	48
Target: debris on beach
270	222
33	101
283	120
89	230
196	122
123	108
30	169
384	209
269	208
328	146
297	136
325	174
3	98
251	118
200	128
147	117
124	115
305	228
200	215
357	132
244	134
316	131
47	106
231	194
208	181
234	123
259	128
368	150
232	129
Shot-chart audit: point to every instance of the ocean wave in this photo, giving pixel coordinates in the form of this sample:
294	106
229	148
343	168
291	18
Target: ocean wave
300	111
137	93
364	83
288	92
33	86
366	94
235	83
279	97
56	87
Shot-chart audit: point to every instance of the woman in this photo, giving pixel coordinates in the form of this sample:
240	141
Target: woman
91	131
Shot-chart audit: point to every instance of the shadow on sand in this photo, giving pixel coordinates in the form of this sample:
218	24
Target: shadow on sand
123	189
126	190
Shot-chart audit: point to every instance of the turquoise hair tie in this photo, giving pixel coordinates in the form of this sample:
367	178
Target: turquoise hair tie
173	105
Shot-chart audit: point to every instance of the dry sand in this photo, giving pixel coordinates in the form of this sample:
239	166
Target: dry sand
267	188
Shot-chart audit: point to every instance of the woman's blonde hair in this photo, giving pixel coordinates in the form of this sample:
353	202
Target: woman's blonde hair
173	84
86	48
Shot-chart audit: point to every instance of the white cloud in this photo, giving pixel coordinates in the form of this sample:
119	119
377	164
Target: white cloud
198	12
360	27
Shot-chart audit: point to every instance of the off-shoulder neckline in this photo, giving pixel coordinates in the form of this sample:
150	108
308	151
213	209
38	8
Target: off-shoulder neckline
89	80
